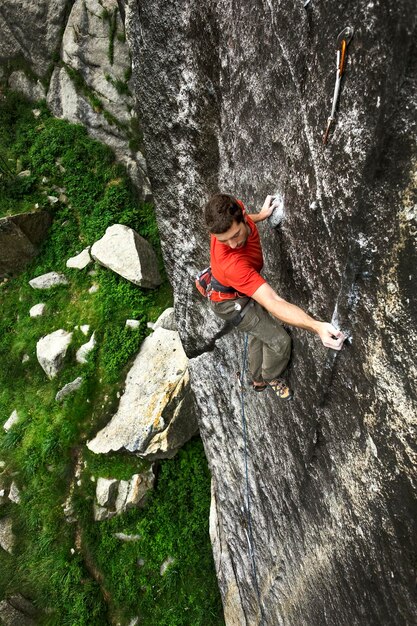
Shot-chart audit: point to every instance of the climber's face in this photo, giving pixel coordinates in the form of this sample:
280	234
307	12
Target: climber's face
236	236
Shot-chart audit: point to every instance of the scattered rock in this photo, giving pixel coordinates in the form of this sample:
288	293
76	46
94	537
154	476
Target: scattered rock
125	252
156	413
14	417
14	493
80	261
106	491
7	538
53	199
25	358
51	351
24	174
132	323
68	389
114	497
169	561
93	289
37	310
124	537
85	349
46	281
85	329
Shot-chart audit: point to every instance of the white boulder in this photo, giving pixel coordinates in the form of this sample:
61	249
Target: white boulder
51	351
68	389
128	254
156	413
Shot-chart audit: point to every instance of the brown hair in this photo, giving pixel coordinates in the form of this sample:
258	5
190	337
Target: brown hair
221	211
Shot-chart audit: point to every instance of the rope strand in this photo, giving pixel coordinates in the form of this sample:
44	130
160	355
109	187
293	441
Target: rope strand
249	534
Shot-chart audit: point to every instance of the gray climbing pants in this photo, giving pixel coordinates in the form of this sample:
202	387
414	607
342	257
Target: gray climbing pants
269	345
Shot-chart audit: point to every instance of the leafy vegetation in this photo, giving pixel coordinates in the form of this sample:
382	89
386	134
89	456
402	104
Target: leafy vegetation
56	563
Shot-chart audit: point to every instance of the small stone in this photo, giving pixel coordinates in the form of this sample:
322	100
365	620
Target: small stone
53	199
36	113
93	289
46	281
124	537
7	538
106	491
14	493
85	329
85	349
132	324
37	310
44	180
68	389
14	417
25	358
24	174
169	561
51	351
81	260
63	198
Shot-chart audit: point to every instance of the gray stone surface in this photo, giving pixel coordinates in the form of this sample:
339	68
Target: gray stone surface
125	252
11	421
7	538
166	320
155	416
51	351
106	491
14	493
46	281
16	610
81	260
84	350
20	236
30	32
333	523
69	388
37	310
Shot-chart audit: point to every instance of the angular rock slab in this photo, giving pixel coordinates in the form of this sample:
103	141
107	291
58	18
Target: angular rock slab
128	254
80	261
51	351
46	281
156	412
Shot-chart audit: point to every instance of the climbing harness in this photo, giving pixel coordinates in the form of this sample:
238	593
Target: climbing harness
343	40
210	287
248	529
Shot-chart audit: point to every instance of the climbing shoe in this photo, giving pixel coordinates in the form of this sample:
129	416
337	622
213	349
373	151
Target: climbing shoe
261	387
280	388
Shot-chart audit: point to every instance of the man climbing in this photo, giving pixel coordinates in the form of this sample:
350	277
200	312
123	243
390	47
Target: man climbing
240	294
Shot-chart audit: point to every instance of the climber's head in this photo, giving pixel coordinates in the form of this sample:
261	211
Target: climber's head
222	212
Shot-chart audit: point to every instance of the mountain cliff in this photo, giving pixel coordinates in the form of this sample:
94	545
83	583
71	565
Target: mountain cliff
235	97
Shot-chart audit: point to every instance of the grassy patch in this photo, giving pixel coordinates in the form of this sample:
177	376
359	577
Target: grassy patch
40	451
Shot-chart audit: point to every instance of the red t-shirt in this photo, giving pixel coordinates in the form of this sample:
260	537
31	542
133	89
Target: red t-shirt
238	267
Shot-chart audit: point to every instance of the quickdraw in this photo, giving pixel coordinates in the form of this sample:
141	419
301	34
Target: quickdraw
343	41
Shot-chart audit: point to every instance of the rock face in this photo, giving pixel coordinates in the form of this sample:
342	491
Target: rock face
34	39
20	236
125	252
332	490
156	413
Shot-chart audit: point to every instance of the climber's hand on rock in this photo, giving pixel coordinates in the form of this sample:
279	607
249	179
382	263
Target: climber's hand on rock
267	207
330	336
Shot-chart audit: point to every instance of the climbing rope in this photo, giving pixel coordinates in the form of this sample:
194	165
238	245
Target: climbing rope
248	530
